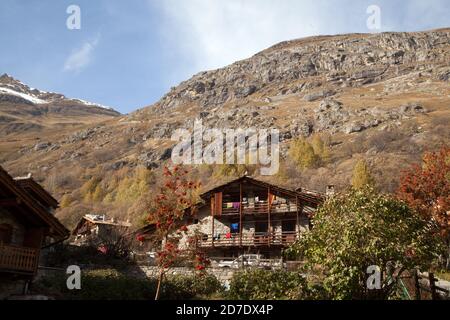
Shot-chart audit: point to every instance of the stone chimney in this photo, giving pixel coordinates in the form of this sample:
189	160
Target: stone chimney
329	192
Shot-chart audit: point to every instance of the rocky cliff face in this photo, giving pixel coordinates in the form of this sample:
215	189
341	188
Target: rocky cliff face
383	97
317	72
302	66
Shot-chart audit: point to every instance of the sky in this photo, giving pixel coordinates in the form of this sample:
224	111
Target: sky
128	54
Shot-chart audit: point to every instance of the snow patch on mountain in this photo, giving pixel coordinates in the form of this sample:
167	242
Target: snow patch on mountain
87	103
28	97
14	87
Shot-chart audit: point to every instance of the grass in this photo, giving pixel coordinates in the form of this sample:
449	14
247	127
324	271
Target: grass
443	275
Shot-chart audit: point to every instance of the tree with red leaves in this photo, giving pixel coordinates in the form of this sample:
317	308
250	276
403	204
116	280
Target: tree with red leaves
426	188
172	207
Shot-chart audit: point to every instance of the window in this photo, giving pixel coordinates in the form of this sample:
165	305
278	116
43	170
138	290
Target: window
261	226
6	231
288	226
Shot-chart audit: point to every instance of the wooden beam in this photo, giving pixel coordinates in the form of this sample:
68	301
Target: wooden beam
10	202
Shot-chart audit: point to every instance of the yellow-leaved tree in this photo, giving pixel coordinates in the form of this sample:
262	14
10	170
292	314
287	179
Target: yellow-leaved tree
302	153
362	176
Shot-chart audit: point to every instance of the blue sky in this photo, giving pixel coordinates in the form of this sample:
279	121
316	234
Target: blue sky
128	54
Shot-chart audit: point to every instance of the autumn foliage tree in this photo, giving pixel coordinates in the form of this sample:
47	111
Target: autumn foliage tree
426	188
172	206
361	175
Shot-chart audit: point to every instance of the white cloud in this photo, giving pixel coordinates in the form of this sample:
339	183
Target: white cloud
80	57
215	33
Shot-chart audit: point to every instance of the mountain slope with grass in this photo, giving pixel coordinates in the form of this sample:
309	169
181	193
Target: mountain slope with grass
382	98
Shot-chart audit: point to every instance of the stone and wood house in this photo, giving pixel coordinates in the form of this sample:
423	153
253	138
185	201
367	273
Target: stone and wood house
28	228
97	229
247	215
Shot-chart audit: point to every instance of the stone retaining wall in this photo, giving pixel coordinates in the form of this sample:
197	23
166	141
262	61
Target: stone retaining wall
223	275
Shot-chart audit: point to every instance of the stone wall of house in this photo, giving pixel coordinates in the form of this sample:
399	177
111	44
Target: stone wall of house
18	231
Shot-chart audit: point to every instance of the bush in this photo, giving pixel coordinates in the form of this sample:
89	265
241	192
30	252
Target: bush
262	284
362	228
109	284
187	287
64	255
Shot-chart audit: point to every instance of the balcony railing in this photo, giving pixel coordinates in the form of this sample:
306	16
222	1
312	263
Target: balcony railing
253	239
18	259
262	207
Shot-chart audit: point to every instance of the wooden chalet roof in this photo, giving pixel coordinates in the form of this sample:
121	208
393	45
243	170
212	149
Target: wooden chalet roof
37	191
26	208
314	198
90	219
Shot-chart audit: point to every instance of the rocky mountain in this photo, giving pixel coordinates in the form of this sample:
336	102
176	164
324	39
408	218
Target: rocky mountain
380	97
25	109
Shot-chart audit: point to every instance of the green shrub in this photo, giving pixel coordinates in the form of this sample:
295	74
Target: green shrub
109	284
362	228
187	287
262	284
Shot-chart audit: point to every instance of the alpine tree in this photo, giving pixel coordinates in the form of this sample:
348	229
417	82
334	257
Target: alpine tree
302	153
361	175
426	188
171	208
354	232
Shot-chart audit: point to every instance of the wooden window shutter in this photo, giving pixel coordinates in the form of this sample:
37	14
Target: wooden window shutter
218	203
271	198
213	204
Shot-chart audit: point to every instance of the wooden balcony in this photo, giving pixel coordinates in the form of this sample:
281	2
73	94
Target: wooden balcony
18	259
259	208
249	240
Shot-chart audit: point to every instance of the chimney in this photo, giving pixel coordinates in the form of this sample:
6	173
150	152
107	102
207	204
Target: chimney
329	192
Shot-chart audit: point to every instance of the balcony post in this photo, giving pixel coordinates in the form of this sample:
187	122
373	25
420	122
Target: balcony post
297	226
240	213
269	204
212	220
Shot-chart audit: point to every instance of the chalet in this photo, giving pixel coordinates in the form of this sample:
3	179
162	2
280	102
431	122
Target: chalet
97	229
27	227
251	216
